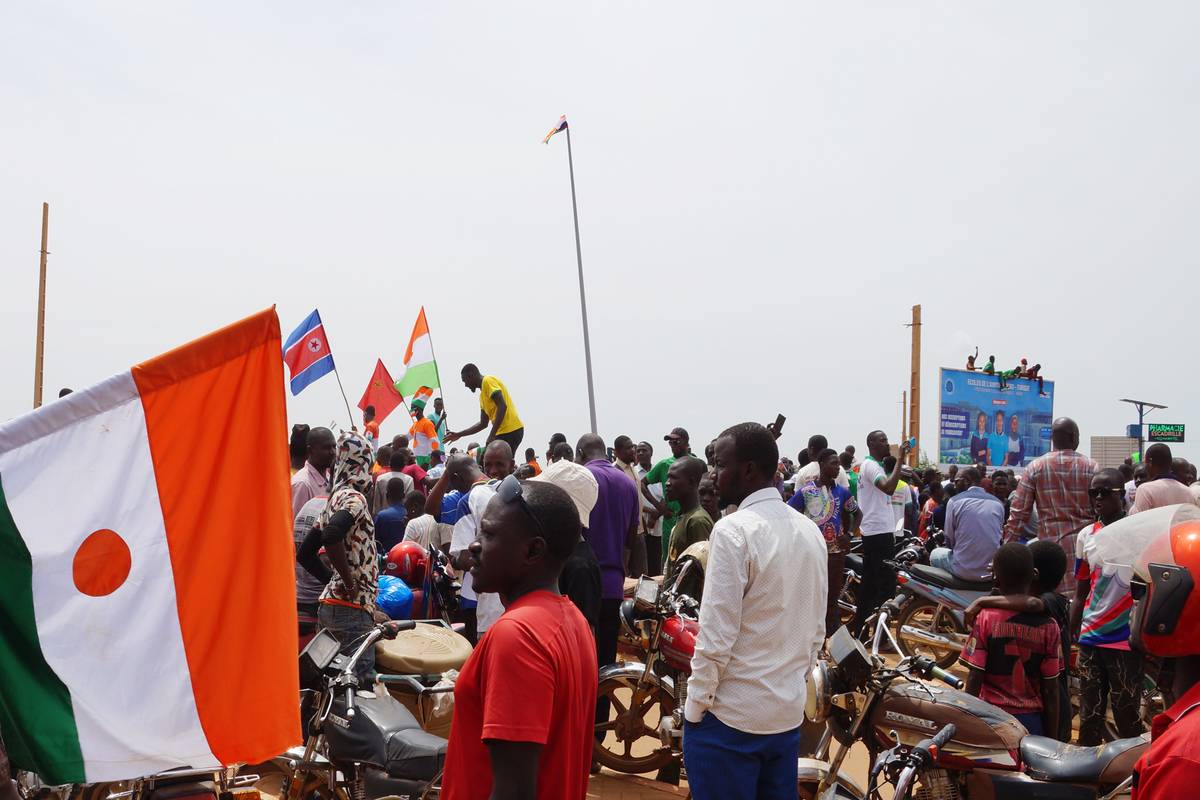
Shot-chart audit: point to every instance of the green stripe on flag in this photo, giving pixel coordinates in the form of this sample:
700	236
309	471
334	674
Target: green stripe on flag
36	718
416	376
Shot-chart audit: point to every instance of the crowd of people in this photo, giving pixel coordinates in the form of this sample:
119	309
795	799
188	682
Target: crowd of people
544	547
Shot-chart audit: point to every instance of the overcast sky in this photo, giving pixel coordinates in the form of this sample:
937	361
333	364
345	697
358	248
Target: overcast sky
765	189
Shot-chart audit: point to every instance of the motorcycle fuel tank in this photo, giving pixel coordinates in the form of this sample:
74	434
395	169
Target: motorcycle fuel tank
985	736
677	642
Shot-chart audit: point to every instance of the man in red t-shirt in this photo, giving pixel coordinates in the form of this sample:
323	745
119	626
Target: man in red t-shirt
525	701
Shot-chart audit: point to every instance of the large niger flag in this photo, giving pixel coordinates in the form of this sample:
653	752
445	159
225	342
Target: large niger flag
147	596
419	367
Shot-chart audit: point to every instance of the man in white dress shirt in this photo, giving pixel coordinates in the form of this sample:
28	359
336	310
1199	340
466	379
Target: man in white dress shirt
762	623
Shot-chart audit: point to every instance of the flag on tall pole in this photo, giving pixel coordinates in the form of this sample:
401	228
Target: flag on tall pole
308	357
558	128
420	367
306	353
587	339
124	575
381	393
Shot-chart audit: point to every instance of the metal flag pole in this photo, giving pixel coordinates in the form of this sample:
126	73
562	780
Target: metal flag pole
345	399
40	351
587	342
437	374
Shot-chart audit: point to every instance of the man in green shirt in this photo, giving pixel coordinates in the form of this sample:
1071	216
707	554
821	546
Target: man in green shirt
694	523
679	443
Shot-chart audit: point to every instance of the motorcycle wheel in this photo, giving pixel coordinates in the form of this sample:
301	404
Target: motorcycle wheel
627	726
926	616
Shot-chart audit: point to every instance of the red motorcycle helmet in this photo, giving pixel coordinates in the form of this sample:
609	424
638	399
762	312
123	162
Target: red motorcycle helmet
409	562
1166	607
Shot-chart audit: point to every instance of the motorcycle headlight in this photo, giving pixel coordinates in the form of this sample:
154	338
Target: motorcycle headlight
818	700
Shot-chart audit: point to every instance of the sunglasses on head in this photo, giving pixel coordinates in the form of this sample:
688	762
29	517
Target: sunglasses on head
510	491
1102	492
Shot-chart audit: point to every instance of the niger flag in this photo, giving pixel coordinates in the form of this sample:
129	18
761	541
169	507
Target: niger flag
148	616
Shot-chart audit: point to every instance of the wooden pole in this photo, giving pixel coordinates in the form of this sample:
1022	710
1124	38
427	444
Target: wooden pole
903	412
914	390
39	353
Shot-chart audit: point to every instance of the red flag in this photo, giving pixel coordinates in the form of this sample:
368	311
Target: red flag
381	393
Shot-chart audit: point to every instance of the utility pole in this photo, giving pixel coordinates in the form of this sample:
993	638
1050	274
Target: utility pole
914	389
1143	407
39	353
903	421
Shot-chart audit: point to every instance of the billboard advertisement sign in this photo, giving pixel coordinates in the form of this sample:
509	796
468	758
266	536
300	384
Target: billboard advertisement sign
980	422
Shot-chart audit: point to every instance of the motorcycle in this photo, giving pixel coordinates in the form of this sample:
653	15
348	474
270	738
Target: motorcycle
910	549
664	623
929	605
359	743
177	784
934	743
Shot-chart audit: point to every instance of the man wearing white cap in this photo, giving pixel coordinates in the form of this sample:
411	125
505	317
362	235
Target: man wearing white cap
580	578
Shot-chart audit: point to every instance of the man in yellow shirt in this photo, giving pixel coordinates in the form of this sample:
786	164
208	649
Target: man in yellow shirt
495	408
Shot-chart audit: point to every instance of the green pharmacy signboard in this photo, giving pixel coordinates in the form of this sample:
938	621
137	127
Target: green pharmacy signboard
1165	433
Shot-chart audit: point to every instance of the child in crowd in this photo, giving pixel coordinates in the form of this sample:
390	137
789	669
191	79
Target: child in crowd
389	522
1049	566
1015	657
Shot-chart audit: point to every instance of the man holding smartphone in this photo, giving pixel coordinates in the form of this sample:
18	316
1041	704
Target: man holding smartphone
875	488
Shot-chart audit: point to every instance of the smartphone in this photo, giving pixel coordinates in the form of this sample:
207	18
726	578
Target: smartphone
779	420
912	443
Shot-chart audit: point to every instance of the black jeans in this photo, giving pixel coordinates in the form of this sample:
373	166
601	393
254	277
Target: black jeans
653	555
608	626
878	580
514	440
1108	675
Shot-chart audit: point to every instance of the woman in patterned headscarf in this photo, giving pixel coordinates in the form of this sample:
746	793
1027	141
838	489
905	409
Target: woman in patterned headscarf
347	606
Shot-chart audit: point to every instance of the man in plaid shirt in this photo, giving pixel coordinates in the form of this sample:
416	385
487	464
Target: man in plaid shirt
1058	484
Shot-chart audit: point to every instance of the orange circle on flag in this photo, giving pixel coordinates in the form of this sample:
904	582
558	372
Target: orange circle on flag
101	563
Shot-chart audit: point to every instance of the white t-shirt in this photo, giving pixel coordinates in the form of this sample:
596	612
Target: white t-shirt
425	530
657	491
876	506
810	472
490	608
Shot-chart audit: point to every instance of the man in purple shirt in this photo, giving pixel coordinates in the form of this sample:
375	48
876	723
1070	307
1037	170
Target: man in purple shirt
611	527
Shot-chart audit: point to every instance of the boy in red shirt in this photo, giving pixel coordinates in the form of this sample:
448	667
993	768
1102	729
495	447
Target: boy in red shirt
525	701
1015	657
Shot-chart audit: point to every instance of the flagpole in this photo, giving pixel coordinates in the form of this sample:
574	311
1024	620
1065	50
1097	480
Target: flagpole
587	342
437	373
40	350
346	400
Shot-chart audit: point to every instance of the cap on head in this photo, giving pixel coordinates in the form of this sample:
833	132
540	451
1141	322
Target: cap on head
677	434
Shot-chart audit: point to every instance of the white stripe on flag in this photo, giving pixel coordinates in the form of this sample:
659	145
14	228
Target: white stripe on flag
121	655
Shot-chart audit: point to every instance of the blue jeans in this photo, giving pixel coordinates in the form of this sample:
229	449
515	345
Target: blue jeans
941	558
350	626
727	764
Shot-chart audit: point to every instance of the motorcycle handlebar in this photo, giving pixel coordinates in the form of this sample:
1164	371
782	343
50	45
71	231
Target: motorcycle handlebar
926	667
944	735
390	630
946	678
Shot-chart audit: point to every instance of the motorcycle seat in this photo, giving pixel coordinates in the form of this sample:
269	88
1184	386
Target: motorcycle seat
413	753
1048	759
940	577
854	561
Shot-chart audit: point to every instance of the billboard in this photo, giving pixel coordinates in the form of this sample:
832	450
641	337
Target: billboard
978	422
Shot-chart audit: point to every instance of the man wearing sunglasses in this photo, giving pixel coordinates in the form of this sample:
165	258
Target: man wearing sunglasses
526	698
1108	670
